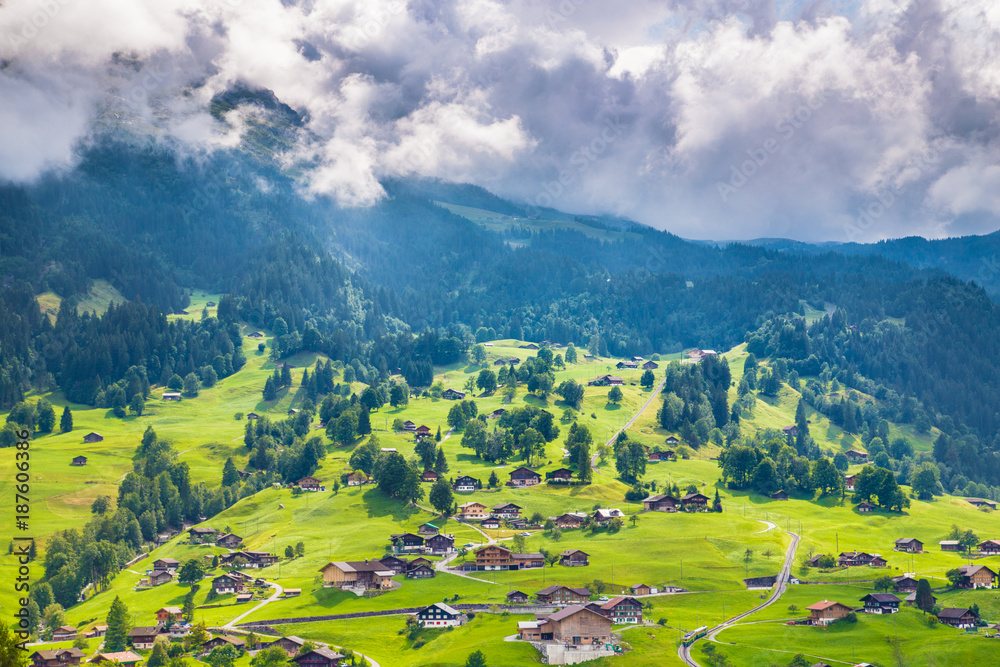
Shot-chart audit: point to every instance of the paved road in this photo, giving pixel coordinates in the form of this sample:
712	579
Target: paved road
278	590
684	652
611	441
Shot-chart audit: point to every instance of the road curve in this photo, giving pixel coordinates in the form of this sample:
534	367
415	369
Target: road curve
684	652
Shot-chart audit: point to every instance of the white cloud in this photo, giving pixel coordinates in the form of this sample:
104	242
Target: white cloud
518	96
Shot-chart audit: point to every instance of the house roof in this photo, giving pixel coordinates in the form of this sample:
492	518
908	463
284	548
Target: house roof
527	556
571	610
325	652
952	612
513	593
122	657
445	608
53	654
172	610
823	605
693	496
969	570
570	552
615	601
880	597
357	566
505	506
143	632
908	540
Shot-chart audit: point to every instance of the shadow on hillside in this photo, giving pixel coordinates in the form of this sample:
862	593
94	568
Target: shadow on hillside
378	505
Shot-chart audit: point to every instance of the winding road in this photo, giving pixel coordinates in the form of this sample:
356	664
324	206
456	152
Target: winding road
684	652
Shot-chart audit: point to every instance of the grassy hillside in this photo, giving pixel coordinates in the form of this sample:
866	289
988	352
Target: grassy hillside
708	554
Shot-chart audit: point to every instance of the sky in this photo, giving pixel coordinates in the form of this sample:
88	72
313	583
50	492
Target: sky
713	119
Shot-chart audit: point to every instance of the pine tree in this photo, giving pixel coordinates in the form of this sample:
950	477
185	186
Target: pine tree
158	656
583	467
441	496
440	462
437	438
116	637
717	503
286	376
364	422
494	481
229	474
66	423
270	392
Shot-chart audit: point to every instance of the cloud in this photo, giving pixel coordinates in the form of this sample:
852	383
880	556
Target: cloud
720	119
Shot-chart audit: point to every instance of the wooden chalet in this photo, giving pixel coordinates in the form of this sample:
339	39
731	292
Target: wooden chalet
428	476
253	415
79	461
440	544
228	540
171	396
64	633
465	484
950	545
58	657
561	476
814	560
827	611
202	534
407	543
977	576
989	548
557	594
981	502
423	431
603	516
169	615
409	426
516	597
143	638
661	503
93	436
506	511
440	615
452	395
574	558
166	564
904	584
570	520
574	625
224	640
490	522
760	583
318	657
627	365
396	564
694	501
958	618
650	366
366	574
472	511
524	477
228	583
356	478
849	482
860	559
856	456
778	495
160	577
291	645
309	483
881	603
664	455
606	381
909	545
623	610
865	506
496	414
420	571
427	529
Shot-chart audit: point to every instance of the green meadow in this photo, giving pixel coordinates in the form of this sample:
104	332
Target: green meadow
708	554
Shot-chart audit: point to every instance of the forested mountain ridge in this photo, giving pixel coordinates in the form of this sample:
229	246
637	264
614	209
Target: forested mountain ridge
358	284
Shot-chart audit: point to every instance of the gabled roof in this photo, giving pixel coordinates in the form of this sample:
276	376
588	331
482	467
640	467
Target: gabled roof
615	601
823	605
907	540
880	597
570	552
571	610
325	652
443	607
53	654
952	612
143	632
